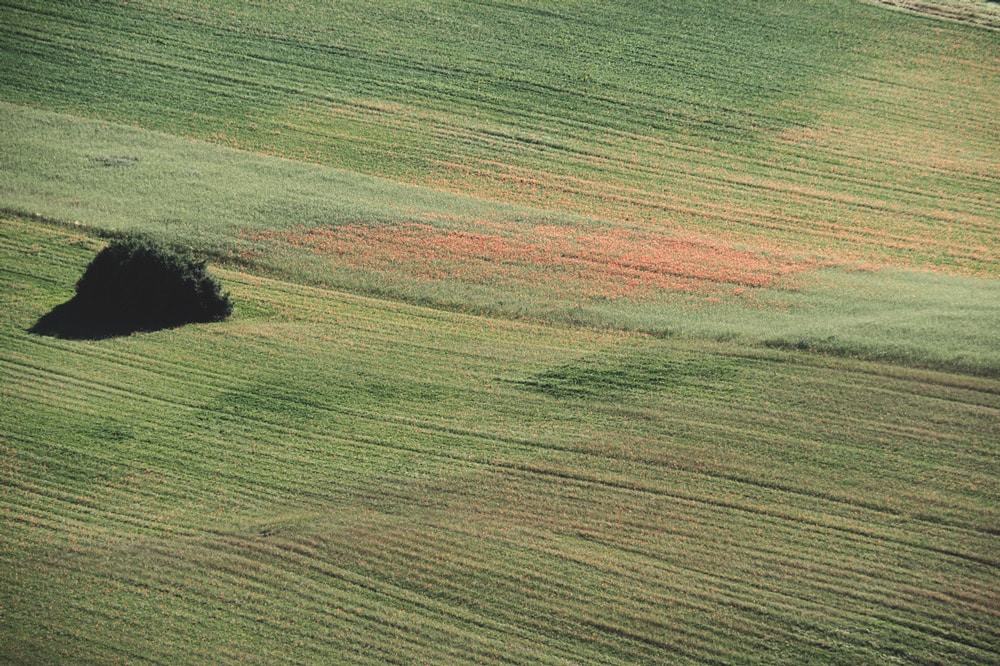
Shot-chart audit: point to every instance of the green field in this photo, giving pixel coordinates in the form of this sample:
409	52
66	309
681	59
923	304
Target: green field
658	333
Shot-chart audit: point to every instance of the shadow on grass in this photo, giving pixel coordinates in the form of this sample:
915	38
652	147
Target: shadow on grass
77	319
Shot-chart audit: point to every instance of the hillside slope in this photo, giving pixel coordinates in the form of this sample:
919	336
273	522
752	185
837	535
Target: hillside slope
838	128
333	478
663	332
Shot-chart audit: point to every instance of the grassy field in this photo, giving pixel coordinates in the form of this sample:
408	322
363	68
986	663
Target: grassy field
837	126
661	333
983	13
338	229
329	476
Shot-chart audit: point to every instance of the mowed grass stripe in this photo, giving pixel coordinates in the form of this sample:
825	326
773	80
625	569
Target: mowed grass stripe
647	582
548	605
796	160
700	524
480	629
270	444
705	514
357	611
834	573
962	545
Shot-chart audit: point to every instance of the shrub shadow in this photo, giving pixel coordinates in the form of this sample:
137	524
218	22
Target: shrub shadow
77	319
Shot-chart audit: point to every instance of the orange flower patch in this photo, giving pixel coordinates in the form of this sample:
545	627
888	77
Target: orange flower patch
561	261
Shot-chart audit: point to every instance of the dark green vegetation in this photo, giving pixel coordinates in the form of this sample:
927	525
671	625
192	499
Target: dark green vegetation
747	431
137	284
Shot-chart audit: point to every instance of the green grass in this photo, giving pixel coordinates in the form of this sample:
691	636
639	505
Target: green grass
213	197
482	451
115	178
837	125
334	477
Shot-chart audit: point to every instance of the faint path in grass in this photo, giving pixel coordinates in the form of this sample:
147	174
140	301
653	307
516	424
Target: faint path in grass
980	13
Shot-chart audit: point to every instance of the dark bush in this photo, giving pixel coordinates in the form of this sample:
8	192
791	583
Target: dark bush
138	281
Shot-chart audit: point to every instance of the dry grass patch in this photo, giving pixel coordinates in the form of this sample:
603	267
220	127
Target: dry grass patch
567	262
